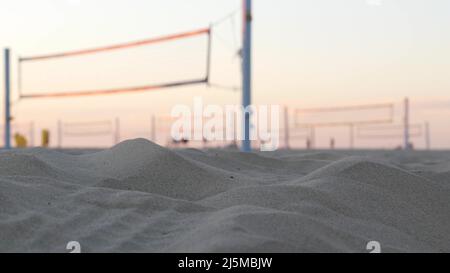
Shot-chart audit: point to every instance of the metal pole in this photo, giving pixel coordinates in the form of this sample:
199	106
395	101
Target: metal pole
208	57
313	137
246	73
117	131
427	136
32	134
406	143
59	129
352	136
19	77
153	129
7	99
286	127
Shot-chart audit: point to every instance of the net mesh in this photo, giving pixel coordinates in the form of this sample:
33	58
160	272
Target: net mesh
79	129
100	133
388	131
162	62
344	116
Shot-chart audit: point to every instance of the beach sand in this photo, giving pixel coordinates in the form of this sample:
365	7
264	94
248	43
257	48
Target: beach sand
140	197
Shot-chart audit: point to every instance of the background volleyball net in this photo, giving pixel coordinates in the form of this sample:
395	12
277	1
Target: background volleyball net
395	131
161	62
311	119
344	115
108	131
417	131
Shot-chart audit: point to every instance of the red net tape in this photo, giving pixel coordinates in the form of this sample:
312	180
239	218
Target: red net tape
118	46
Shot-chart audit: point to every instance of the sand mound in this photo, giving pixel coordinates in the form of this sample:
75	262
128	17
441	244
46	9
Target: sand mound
140	197
402	210
388	195
23	164
140	165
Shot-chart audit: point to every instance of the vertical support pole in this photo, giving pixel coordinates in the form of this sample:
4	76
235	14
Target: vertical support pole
19	77
7	99
235	131
153	129
246	73
313	137
286	128
32	134
427	136
352	135
406	144
117	131
208	56
59	129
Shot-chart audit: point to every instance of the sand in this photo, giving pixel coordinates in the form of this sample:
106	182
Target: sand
140	197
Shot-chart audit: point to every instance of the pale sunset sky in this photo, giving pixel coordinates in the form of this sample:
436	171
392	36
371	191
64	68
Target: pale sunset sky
306	53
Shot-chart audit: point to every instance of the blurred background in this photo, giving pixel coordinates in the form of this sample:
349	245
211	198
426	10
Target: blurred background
307	54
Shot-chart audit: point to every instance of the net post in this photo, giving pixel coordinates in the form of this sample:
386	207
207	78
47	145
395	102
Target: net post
286	128
153	128
59	130
19	77
313	136
208	56
352	136
7	98
32	134
427	136
246	73
406	144
117	131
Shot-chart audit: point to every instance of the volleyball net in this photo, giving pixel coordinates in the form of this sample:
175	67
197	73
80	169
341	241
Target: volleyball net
344	115
167	61
107	130
310	119
393	131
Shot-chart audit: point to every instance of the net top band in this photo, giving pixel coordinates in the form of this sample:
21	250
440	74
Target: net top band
117	46
348	108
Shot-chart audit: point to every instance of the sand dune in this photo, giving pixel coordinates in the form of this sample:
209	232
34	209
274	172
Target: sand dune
140	197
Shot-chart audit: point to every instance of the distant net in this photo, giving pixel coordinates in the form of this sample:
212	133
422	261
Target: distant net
94	128
85	132
156	63
298	133
344	115
388	131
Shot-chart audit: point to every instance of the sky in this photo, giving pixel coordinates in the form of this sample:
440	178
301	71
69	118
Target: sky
306	53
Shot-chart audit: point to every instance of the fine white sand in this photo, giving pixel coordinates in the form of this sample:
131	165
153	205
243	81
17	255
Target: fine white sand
140	197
